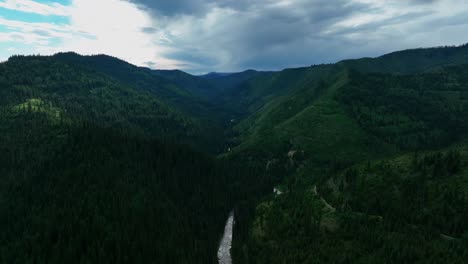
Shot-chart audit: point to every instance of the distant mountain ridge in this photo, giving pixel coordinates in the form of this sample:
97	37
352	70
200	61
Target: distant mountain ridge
215	75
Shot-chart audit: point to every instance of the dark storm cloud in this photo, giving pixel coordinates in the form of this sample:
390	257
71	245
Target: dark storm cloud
272	34
201	7
172	7
190	7
423	1
376	25
194	57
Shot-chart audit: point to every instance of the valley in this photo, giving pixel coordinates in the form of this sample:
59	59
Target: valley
354	162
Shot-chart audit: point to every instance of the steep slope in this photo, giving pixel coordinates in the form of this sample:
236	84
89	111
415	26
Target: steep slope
82	93
247	91
177	89
397	209
86	181
426	110
215	87
290	107
306	119
129	74
229	94
89	172
141	78
409	209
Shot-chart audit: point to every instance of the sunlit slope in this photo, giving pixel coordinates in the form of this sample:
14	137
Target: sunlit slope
345	113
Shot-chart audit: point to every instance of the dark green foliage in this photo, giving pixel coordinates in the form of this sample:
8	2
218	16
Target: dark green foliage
359	240
413	112
176	89
407	210
90	172
90	195
428	192
81	93
83	179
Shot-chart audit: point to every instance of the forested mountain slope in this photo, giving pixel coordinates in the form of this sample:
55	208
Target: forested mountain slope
101	161
345	116
84	194
90	172
305	108
172	94
77	92
410	209
221	89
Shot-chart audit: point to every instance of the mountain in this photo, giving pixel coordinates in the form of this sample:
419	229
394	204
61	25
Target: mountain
215	75
410	208
306	107
361	161
335	119
141	78
113	92
95	169
176	88
213	86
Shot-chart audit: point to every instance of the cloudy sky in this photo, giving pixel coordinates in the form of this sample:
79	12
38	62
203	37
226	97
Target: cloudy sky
229	35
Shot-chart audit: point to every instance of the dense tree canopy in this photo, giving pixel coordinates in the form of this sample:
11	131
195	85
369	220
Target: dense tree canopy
105	162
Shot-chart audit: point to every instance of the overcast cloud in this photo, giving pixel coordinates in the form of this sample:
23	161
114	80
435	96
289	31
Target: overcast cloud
228	35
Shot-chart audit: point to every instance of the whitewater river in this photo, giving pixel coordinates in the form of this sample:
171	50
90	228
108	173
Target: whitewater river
224	251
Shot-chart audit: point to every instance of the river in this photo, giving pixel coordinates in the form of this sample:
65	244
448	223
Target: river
224	251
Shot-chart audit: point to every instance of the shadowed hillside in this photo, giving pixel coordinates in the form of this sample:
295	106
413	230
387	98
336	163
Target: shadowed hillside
106	162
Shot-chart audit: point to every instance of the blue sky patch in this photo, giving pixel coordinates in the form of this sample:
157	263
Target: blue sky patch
32	17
